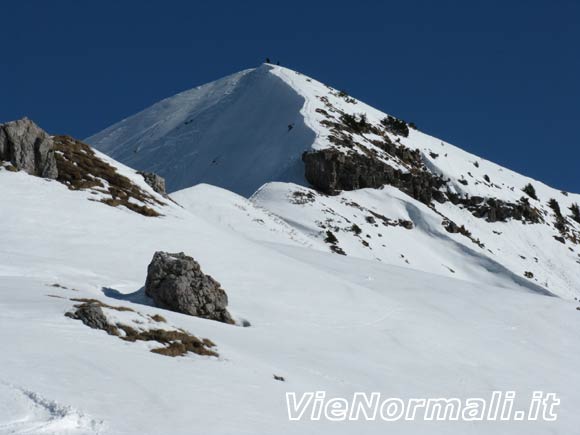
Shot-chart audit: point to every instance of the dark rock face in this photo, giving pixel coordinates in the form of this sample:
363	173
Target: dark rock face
496	210
156	182
330	171
408	225
91	315
395	126
176	282
28	148
451	227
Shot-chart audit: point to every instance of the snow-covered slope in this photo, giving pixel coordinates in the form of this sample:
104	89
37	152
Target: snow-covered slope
241	216
231	133
235	133
392	228
320	320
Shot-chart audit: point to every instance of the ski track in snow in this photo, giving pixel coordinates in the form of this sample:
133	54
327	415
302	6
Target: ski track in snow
23	411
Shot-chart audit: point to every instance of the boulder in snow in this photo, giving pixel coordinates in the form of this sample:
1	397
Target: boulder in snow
91	314
176	282
28	148
156	182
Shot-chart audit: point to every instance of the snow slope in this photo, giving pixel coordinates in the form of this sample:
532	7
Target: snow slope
233	133
241	216
361	232
323	321
519	248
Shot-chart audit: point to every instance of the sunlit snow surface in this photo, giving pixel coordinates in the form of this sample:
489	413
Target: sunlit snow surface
231	133
320	320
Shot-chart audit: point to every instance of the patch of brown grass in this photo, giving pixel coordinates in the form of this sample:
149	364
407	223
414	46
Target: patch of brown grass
11	168
173	349
79	168
141	209
158	318
101	304
176	343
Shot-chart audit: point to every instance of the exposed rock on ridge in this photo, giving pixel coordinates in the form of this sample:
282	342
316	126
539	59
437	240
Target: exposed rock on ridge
496	210
330	171
156	182
28	148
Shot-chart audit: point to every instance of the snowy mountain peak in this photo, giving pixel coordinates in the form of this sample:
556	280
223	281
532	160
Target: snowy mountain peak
233	133
470	217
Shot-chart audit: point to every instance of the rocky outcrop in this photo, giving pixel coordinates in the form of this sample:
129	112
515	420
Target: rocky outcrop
28	148
75	164
453	228
156	182
395	126
330	171
91	314
496	210
176	282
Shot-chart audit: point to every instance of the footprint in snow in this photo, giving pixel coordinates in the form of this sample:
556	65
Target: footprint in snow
25	412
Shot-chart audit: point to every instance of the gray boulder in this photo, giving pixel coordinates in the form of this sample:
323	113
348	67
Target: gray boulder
156	182
91	314
27	147
176	282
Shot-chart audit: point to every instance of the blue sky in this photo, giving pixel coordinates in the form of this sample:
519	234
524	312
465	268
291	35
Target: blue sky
500	79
